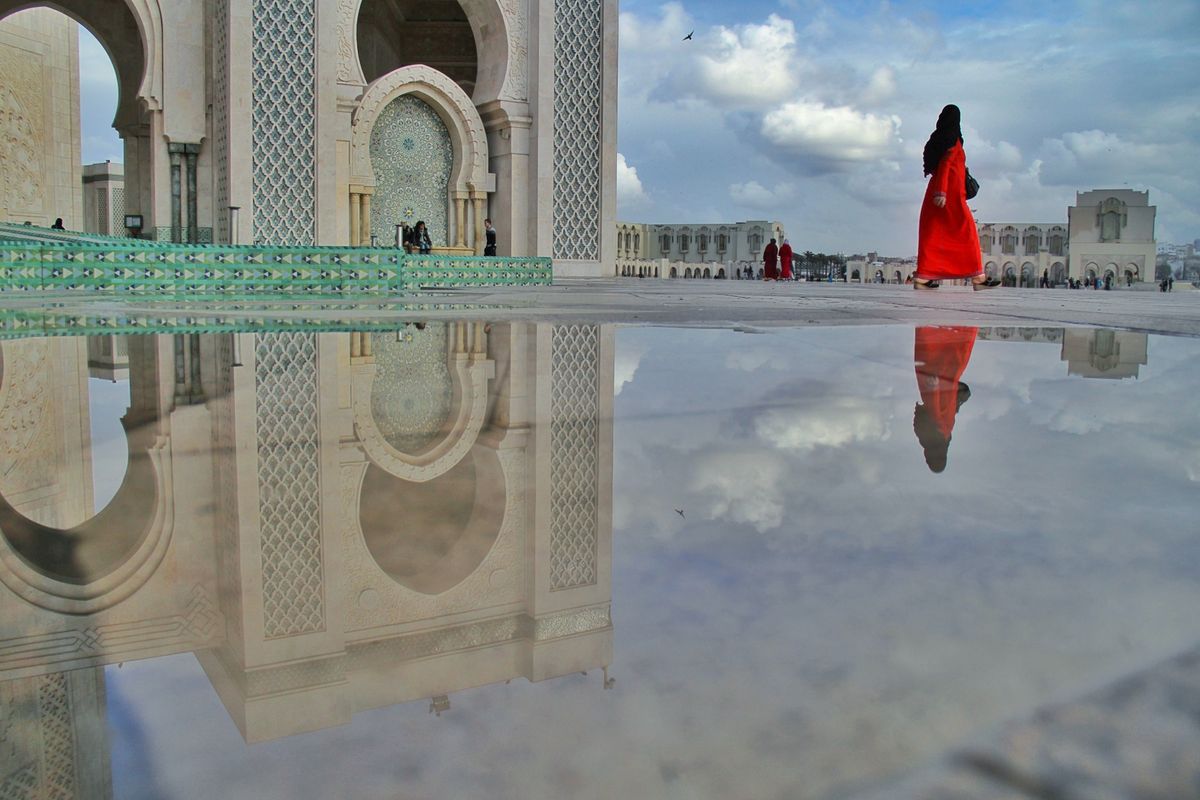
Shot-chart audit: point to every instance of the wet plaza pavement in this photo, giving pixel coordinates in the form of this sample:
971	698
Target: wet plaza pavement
488	556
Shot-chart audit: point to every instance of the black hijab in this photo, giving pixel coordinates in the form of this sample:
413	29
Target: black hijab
947	133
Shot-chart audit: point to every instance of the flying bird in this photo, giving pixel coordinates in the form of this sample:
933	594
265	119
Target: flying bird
679	511
688	38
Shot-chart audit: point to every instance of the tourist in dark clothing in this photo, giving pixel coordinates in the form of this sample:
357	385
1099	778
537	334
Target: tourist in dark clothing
489	248
58	225
420	239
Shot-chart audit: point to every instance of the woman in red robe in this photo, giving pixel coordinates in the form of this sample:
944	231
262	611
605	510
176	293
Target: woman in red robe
941	356
770	267
785	261
948	246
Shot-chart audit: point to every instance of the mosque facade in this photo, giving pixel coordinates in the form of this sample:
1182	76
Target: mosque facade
332	122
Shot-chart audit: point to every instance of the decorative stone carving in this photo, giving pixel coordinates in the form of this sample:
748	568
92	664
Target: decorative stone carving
516	81
451	104
348	68
21	131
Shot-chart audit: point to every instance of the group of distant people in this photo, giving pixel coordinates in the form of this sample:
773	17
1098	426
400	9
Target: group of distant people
777	261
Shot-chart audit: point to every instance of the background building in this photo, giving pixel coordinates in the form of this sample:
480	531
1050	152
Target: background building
1112	234
104	199
40	168
1020	253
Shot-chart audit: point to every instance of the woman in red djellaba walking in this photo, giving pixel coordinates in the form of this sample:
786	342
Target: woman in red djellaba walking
948	247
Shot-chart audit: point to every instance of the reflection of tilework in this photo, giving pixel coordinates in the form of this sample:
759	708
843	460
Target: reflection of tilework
411	156
283	160
127	265
575	455
289	495
578	91
412	394
220	118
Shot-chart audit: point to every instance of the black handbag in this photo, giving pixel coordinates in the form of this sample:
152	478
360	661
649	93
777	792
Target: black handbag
972	186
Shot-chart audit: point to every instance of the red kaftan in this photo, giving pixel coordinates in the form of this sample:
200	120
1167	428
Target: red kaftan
941	356
770	268
949	243
785	262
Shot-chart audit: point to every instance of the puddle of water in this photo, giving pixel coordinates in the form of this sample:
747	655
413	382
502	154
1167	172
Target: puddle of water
792	564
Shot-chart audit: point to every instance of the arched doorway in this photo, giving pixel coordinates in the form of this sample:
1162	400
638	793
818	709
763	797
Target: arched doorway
856	276
407	125
707	272
1058	273
42	147
436	33
674	273
1027	279
879	276
721	273
898	277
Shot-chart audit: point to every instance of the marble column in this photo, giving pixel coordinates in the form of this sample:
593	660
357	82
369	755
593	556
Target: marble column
364	235
480	213
355	220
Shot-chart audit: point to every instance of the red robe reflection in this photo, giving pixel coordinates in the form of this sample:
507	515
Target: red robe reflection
940	356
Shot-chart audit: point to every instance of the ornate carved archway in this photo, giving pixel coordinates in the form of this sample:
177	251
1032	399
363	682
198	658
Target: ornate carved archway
470	180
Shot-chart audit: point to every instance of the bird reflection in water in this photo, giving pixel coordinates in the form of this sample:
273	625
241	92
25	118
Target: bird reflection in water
940	356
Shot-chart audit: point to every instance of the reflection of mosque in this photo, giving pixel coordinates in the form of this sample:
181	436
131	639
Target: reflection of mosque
332	522
1089	353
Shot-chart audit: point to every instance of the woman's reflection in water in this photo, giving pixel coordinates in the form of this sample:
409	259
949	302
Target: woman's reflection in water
940	356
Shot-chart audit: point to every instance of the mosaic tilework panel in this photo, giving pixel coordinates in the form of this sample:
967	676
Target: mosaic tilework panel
412	157
578	95
126	265
283	158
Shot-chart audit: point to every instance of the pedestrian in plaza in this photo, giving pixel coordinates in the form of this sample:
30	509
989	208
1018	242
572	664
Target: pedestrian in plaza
420	238
785	261
1170	283
1045	279
771	261
489	248
940	355
948	243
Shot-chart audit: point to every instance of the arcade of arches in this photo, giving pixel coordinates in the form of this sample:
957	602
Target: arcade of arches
241	125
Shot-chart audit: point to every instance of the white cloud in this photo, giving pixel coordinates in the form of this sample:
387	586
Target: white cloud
629	185
881	87
837	422
750	65
744	487
837	133
753	194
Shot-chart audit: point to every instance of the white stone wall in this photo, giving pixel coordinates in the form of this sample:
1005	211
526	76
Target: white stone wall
1126	248
40	170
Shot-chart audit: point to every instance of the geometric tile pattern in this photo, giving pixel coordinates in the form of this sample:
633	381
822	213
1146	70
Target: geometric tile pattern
575	455
220	119
283	59
289	483
412	156
142	267
578	94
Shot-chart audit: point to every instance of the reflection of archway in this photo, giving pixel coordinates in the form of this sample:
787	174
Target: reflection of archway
469	177
449	524
103	559
467	373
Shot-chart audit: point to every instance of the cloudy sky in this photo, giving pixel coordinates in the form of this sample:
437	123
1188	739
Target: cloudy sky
815	113
828	612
